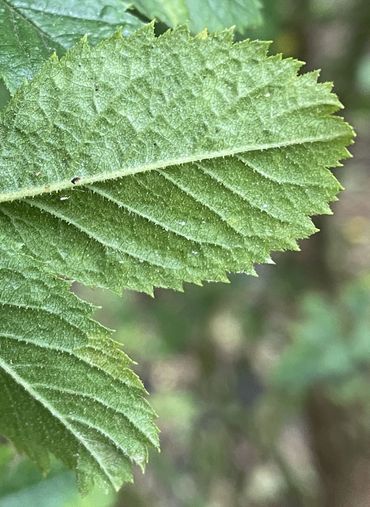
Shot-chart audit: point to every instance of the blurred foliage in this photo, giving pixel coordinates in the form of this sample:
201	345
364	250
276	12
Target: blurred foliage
330	347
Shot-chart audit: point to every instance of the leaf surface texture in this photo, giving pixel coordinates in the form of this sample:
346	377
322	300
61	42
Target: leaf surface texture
31	30
141	162
65	386
176	159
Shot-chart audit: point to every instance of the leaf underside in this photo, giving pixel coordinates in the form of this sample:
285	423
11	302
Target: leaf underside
176	159
141	162
65	386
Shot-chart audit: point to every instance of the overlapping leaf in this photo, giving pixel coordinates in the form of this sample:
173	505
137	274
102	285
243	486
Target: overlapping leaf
30	30
65	386
23	484
212	14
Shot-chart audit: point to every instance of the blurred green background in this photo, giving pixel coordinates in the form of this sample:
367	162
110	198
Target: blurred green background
262	386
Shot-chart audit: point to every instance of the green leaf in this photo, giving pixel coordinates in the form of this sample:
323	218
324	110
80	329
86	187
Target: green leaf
212	14
65	387
22	483
176	159
141	162
33	29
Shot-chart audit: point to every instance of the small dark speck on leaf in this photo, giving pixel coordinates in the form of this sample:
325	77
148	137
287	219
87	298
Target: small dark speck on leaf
75	180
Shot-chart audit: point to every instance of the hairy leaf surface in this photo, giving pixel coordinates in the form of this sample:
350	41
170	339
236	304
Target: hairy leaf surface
65	386
212	14
30	30
141	162
176	159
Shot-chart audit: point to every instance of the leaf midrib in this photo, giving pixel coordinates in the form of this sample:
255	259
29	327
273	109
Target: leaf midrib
160	164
